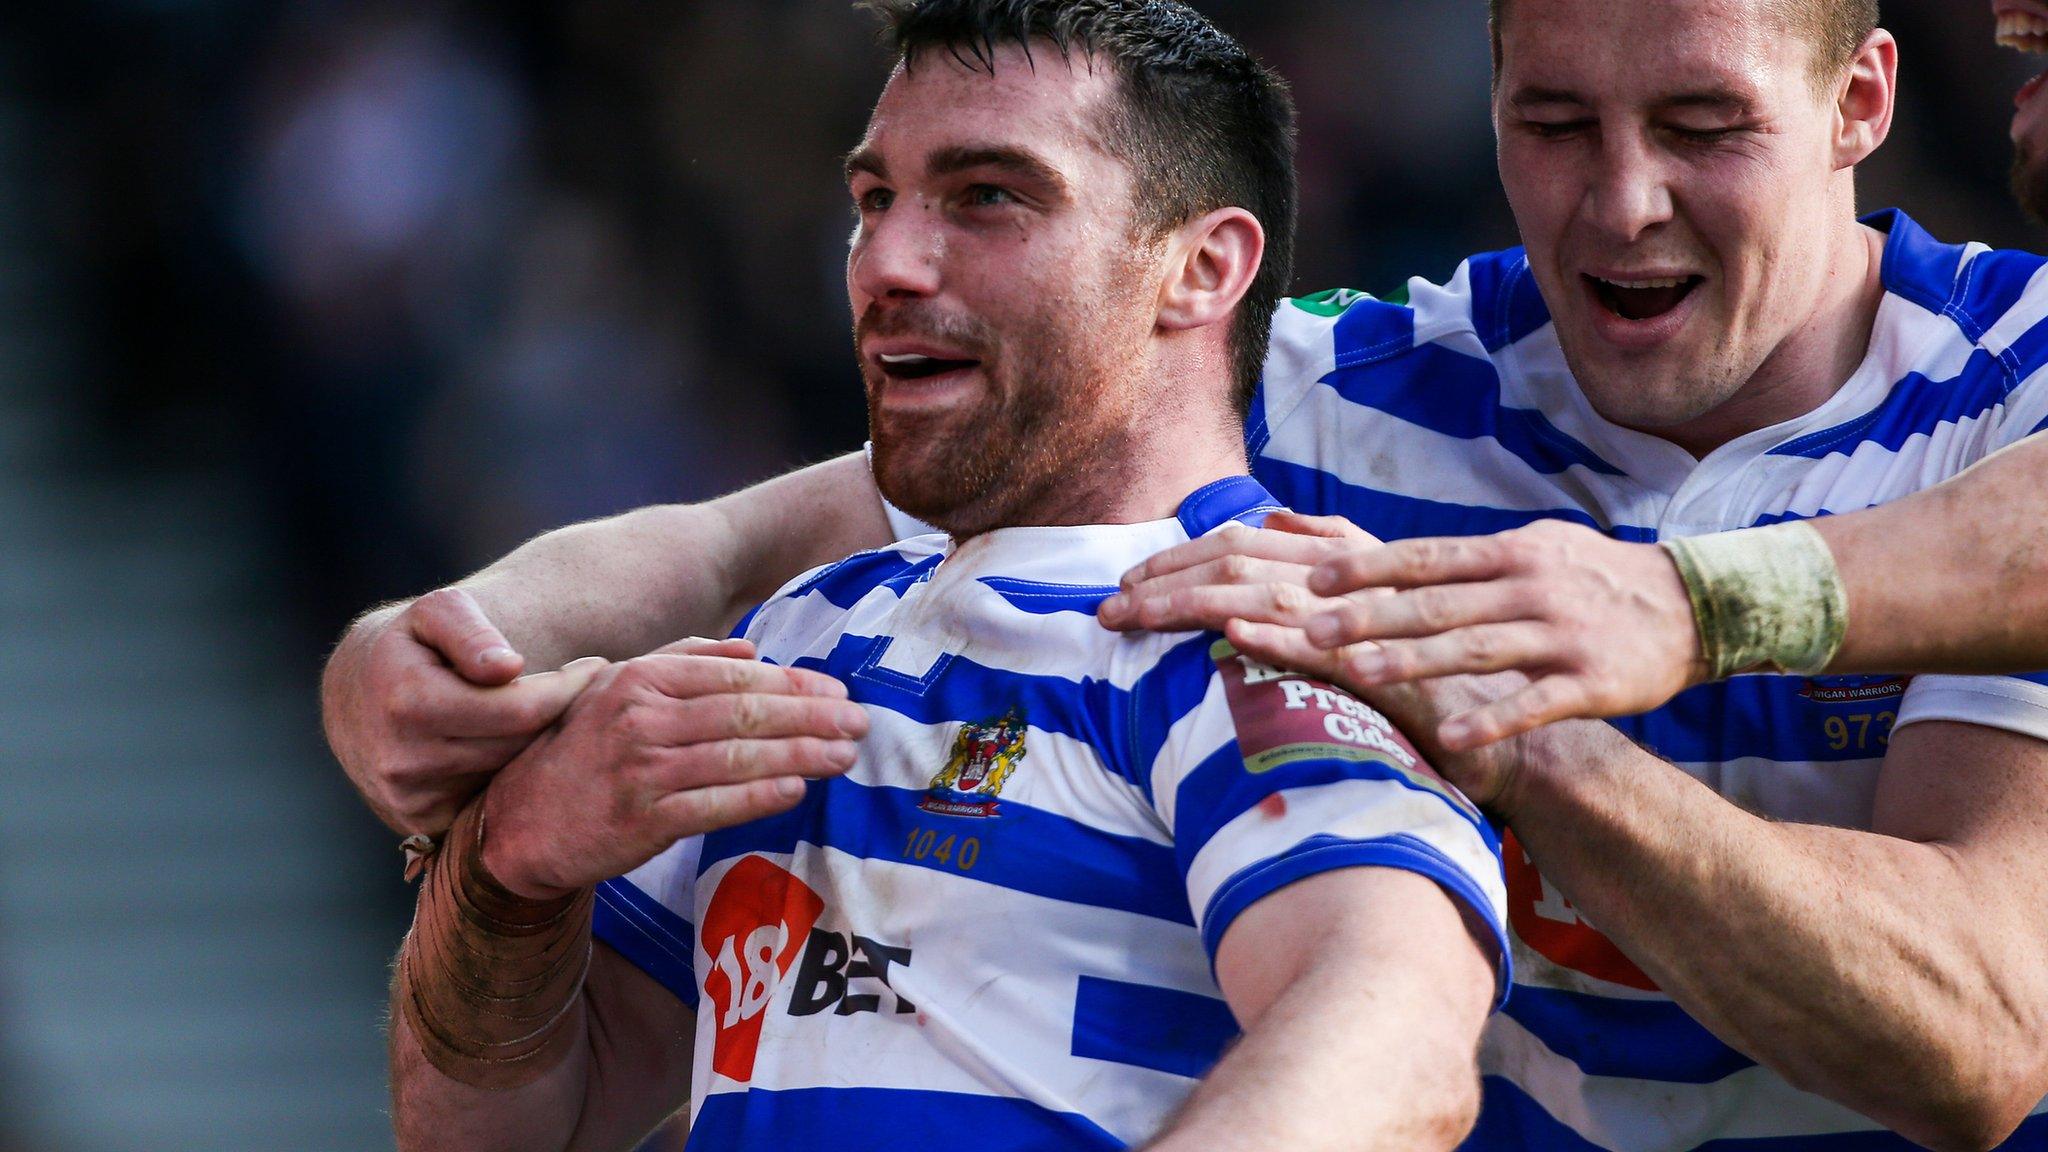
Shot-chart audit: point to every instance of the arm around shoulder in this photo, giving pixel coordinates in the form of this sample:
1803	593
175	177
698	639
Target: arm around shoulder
626	585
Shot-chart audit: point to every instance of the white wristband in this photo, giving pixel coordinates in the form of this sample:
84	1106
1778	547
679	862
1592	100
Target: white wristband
1764	598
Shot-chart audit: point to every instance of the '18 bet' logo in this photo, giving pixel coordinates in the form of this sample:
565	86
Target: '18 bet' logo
753	927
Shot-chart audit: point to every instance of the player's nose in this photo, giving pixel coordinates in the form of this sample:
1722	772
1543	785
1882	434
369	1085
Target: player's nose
898	253
1628	191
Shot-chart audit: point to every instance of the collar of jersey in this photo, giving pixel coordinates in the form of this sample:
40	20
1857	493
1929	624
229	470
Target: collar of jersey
1086	553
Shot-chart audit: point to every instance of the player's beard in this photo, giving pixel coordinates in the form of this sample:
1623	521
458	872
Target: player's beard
1051	431
2030	181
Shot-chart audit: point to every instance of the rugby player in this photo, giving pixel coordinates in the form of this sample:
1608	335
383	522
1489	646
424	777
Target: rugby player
1951	579
998	929
1809	927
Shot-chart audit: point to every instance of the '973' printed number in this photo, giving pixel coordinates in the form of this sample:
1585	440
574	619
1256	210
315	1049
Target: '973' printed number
1859	730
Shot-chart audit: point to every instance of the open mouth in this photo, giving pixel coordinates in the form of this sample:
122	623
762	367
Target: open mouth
1643	299
2024	28
911	366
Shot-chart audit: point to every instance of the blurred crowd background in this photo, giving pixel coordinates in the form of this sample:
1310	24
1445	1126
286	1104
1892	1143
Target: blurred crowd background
308	305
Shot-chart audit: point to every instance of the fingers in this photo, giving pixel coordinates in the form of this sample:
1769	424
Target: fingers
1282	647
1411	563
1376	614
748	715
449	622
1249	543
737	761
434	702
708	809
1328	527
1150	604
734	647
1478	649
685	677
1208	607
1546	701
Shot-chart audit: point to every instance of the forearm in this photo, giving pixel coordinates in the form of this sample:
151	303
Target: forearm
430	1110
512	1029
1951	579
1362	992
627	1073
559	596
1337	1066
1864	967
626	585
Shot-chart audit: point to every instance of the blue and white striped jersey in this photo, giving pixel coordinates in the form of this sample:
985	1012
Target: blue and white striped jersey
1455	414
997	931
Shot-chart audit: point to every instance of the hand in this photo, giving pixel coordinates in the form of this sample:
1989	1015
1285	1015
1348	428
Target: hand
1486	774
1603	628
659	748
423	703
1238	572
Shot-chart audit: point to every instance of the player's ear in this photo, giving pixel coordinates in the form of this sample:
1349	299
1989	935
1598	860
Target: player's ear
1211	262
1864	99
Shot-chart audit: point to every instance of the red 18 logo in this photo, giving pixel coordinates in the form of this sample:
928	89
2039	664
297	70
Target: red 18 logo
753	927
1547	922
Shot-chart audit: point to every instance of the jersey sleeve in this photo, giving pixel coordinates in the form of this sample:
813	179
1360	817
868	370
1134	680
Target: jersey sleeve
1271	777
2017	704
645	916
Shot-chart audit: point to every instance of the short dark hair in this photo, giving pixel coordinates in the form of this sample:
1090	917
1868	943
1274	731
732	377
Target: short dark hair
1837	29
1201	122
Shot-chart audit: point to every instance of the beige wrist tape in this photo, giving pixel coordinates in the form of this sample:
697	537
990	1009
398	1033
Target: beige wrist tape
487	977
1764	598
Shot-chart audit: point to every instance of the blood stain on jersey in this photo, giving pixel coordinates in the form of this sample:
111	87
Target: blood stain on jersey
754	925
983	757
1282	717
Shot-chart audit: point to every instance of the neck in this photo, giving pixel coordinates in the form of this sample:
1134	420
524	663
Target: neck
1138	470
1814	361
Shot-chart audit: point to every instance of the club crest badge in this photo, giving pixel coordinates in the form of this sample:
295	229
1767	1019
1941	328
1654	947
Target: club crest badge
983	757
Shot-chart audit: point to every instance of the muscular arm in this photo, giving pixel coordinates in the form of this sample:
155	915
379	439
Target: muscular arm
629	584
1902	971
1362	992
1951	579
420	700
628	1073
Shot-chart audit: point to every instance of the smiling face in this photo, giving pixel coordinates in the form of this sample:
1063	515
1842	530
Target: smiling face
2023	25
1002	305
1676	178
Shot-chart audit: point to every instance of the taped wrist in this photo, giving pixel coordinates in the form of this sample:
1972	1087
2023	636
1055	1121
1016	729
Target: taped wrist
487	977
1764	598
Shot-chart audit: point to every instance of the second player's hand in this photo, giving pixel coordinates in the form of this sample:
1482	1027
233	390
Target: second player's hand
657	749
1601	628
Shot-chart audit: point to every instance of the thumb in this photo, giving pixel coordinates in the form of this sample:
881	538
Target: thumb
549	694
451	623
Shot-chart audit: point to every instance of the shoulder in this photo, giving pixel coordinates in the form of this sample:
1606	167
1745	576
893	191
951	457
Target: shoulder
1489	303
1993	300
828	592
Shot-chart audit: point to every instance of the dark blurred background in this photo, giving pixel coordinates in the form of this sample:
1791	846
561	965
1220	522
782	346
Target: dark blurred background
309	305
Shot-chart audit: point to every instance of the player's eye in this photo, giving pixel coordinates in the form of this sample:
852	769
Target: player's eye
874	200
1702	135
987	196
1555	129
